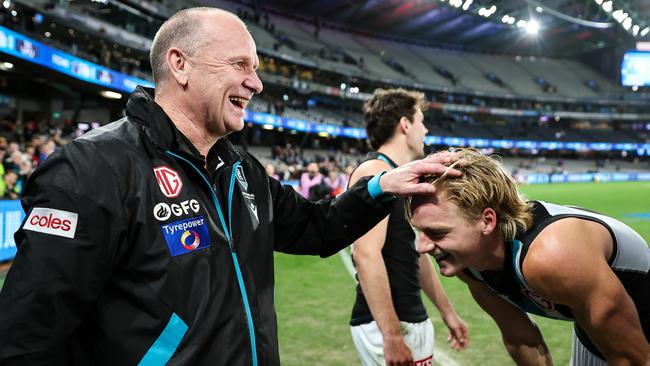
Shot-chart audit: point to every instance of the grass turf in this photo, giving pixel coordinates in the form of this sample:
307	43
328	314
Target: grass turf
314	296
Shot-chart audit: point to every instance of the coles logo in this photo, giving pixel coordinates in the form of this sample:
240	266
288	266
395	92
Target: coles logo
169	181
162	211
52	221
190	244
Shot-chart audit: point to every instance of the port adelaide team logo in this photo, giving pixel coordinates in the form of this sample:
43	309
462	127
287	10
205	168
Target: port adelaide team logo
249	198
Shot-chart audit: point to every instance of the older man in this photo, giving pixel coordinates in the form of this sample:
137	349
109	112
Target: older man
150	241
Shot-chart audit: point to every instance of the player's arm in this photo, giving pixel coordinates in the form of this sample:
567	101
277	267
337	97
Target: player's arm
567	264
520	334
373	278
327	226
430	284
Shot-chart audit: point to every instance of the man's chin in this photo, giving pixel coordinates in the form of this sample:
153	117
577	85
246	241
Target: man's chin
235	125
447	270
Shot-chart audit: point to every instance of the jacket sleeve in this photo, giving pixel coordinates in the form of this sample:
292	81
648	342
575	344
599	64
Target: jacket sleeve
323	227
66	249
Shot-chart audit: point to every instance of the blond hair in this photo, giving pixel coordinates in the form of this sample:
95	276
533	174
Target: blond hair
485	183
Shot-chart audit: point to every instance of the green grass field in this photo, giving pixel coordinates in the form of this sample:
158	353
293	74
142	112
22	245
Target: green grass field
314	296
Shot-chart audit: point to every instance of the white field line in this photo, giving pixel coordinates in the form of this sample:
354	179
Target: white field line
440	356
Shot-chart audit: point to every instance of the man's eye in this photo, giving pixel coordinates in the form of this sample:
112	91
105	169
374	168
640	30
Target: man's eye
435	235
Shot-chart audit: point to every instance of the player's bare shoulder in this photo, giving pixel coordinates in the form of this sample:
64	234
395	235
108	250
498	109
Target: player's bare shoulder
369	168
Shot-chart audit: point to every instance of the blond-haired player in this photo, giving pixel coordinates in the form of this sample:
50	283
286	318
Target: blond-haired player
519	257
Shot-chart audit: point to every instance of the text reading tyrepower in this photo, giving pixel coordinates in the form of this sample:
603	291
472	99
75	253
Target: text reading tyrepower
52	221
184	236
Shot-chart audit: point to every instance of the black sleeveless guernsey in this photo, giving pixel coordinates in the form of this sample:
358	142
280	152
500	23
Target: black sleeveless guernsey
402	267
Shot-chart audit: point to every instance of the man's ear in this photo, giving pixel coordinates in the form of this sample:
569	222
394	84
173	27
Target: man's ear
489	220
404	125
178	66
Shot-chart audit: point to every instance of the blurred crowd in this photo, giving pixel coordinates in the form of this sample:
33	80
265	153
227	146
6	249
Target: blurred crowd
23	147
320	176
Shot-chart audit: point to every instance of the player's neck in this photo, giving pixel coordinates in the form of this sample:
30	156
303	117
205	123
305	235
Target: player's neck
397	152
495	252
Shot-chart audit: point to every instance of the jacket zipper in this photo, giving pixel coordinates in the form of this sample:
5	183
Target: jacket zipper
226	230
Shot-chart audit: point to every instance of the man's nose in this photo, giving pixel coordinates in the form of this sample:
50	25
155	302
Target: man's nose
254	83
425	244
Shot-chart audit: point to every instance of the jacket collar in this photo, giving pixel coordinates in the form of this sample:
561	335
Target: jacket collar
142	109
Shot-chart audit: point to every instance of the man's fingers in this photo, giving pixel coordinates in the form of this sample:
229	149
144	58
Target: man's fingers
435	168
444	157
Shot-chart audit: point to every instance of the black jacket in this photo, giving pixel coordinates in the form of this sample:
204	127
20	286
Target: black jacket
133	253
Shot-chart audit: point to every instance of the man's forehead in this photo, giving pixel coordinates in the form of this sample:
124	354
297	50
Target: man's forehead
429	205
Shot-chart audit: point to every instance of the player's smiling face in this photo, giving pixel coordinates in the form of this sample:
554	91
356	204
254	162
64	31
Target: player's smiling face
446	234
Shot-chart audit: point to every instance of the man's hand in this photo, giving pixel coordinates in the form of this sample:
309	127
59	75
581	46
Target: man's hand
458	338
405	180
396	352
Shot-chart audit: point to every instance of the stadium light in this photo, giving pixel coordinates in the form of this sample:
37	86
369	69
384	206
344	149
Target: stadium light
645	31
627	23
6	66
635	30
599	2
619	15
521	23
110	94
539	9
6	4
532	27
635	88
608	6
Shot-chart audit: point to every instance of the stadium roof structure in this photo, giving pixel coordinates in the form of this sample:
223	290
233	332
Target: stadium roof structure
560	28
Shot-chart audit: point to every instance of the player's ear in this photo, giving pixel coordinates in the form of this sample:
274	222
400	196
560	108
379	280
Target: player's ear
488	220
404	125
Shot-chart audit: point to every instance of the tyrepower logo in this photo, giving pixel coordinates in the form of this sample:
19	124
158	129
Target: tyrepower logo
169	181
52	221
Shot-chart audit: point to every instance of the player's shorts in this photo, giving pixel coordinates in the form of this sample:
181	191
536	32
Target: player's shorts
369	342
581	356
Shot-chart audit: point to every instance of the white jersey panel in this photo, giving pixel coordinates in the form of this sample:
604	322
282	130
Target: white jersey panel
632	252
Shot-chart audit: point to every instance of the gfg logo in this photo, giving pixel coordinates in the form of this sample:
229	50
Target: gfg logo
164	211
